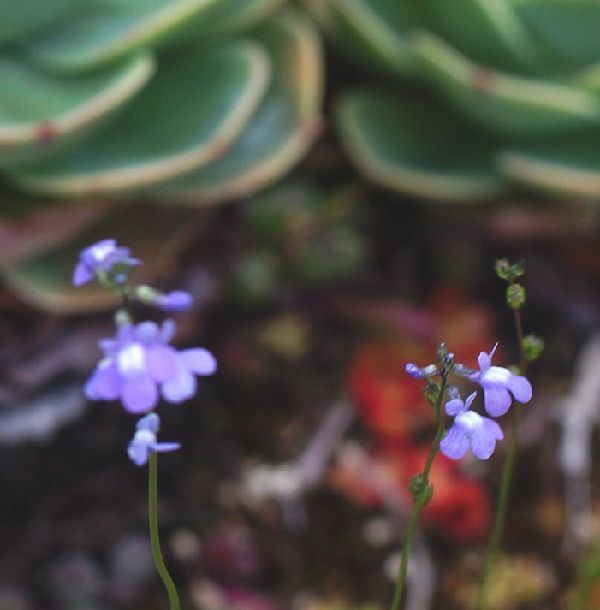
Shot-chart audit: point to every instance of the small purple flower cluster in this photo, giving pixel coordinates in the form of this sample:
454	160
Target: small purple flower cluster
469	429
139	366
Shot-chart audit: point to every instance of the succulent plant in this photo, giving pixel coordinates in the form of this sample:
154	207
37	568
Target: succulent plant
478	95
167	101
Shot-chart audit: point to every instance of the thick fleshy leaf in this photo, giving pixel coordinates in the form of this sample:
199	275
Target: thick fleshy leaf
186	117
282	128
568	167
41	113
102	31
226	17
22	19
490	32
504	104
568	29
374	31
407	145
156	235
29	225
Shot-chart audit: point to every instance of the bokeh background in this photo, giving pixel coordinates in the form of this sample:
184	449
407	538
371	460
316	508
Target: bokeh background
333	181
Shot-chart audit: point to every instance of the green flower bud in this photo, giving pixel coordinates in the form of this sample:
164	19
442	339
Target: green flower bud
515	296
533	346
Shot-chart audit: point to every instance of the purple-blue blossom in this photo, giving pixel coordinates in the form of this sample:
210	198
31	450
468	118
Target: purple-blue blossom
139	366
469	430
144	440
177	300
101	257
498	384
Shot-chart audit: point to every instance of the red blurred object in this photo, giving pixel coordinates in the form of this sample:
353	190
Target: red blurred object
390	401
464	325
459	510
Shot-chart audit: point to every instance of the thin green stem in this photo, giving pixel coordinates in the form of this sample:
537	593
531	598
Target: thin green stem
154	539
420	501
506	481
501	508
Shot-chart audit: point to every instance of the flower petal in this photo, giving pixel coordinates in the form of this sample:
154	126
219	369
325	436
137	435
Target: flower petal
455	406
496	400
163	363
105	383
137	452
484	360
82	275
520	388
179	388
150	422
139	394
469	400
164	447
199	360
483	439
455	444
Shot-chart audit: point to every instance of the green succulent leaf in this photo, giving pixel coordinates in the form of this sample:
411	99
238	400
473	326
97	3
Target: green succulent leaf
41	113
490	32
226	17
502	103
568	167
29	225
373	31
282	128
44	280
186	117
567	29
103	31
408	145
21	19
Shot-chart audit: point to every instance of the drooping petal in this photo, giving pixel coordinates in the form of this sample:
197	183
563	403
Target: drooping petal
496	400
162	363
199	361
483	438
137	452
82	275
105	383
455	444
520	388
139	394
179	388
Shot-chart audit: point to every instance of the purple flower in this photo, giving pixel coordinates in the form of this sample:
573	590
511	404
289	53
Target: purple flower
139	365
177	300
144	440
469	430
497	382
102	256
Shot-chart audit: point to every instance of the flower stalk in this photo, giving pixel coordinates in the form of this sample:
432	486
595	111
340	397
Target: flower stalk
422	492
157	555
515	296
